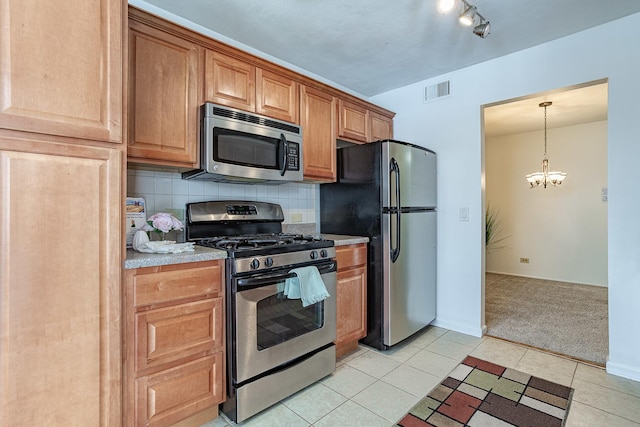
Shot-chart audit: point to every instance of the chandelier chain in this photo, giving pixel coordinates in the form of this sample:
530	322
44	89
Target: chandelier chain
545	131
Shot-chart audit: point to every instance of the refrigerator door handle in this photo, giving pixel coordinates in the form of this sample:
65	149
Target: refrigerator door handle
395	169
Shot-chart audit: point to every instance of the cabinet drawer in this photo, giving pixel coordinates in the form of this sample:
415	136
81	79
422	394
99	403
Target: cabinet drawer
169	334
162	286
174	394
351	256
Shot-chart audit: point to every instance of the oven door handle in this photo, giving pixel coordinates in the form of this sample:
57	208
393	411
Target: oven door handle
264	280
274	278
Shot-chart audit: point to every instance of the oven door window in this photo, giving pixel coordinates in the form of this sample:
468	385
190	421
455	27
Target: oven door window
245	149
281	319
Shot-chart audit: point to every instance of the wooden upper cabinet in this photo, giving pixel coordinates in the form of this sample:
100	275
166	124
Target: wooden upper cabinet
229	81
353	122
276	96
163	97
238	84
61	68
317	118
381	126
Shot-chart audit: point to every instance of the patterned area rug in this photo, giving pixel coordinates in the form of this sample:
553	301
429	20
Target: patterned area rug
479	393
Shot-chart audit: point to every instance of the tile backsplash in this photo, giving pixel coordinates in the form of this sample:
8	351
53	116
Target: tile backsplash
167	190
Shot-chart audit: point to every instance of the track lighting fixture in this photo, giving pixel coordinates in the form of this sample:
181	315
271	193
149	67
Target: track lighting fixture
445	6
468	17
482	29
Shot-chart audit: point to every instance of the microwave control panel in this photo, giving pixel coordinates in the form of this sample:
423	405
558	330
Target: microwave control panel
293	156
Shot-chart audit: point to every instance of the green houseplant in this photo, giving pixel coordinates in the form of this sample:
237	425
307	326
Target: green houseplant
493	229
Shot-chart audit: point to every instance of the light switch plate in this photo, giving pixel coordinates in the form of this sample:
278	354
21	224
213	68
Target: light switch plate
464	214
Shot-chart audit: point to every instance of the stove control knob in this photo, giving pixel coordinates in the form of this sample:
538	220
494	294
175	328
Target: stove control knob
255	264
268	262
323	253
313	254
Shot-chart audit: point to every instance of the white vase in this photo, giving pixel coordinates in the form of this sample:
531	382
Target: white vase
139	240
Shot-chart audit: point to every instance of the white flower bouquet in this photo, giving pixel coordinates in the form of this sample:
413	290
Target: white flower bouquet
162	223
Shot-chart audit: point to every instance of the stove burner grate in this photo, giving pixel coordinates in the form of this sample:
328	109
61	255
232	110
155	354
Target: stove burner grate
237	243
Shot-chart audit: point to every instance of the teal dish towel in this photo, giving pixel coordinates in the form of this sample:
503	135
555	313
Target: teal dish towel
307	285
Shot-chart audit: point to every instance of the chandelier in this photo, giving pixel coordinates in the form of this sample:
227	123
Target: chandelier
545	177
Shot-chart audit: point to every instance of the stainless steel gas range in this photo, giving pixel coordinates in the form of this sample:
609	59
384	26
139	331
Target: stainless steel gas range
275	346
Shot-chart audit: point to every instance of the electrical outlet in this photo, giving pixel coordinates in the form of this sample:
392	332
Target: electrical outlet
296	217
524	260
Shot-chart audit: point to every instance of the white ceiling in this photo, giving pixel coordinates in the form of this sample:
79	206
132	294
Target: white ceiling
569	107
373	46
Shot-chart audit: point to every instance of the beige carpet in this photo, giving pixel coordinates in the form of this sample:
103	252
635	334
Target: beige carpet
565	318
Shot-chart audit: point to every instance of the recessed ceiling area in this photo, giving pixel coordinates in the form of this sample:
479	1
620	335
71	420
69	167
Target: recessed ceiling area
374	46
571	106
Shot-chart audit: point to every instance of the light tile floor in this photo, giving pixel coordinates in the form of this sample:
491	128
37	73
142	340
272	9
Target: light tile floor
376	388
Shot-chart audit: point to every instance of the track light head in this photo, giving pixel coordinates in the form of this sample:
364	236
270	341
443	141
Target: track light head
482	30
445	6
468	16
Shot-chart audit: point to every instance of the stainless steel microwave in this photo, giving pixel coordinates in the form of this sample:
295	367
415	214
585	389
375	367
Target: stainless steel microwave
237	146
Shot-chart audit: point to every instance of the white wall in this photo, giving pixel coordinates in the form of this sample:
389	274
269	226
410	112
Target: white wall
453	128
562	230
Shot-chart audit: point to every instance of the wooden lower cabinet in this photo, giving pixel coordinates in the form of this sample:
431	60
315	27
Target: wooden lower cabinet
174	343
351	313
60	269
174	394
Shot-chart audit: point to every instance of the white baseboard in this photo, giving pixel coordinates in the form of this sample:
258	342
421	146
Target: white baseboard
463	328
623	370
547	278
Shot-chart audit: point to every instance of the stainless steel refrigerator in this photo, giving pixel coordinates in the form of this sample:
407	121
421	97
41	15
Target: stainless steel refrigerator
386	190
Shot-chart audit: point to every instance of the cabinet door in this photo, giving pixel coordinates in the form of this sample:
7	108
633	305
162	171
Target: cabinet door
177	393
353	121
229	81
61	68
381	126
60	260
317	117
277	96
163	105
351	323
177	332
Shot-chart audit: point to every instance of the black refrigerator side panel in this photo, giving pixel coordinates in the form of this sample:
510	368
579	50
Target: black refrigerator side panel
353	206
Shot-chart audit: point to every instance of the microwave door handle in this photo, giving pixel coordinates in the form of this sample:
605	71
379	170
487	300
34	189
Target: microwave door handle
284	147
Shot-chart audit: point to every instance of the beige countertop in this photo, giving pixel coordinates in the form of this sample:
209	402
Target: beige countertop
342	240
138	259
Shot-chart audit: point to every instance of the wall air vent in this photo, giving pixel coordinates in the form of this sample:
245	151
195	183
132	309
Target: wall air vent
437	91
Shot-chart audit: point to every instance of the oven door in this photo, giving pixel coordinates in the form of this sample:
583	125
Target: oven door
271	329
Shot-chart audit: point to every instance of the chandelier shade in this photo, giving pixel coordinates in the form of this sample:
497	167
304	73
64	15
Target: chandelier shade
555	178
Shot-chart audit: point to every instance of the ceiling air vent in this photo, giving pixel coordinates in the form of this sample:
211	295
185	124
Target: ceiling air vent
437	91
